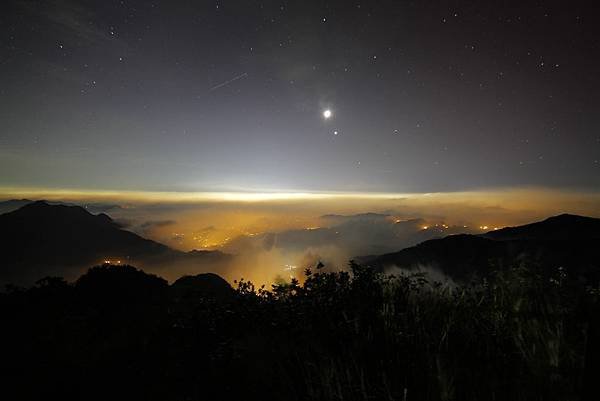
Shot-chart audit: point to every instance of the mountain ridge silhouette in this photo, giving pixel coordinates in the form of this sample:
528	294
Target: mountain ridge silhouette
565	241
41	239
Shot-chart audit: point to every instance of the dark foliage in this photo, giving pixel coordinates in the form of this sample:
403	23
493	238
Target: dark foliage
119	333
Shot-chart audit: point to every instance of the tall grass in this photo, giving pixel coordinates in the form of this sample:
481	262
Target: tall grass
520	334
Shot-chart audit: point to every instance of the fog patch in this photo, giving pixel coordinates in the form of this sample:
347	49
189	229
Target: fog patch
430	272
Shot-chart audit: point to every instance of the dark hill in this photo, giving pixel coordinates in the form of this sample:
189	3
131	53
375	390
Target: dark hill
13	204
560	228
40	239
206	285
455	255
565	241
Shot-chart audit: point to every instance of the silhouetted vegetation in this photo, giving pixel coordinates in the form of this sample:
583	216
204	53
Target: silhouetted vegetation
118	333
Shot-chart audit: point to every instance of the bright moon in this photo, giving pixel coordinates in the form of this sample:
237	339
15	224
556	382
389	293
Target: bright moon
327	114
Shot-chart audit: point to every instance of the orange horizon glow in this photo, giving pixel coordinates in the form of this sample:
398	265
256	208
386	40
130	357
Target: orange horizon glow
284	195
228	221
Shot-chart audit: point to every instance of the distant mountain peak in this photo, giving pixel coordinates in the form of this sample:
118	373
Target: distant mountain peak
36	204
42	234
42	238
565	240
60	213
566	217
561	227
105	217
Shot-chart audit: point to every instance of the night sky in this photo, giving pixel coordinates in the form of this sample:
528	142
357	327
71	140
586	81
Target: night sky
230	95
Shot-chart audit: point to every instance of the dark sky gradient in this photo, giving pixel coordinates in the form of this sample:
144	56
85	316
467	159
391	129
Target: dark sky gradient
228	95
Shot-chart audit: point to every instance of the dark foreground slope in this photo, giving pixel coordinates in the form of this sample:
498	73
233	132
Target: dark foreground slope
118	333
566	241
40	239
